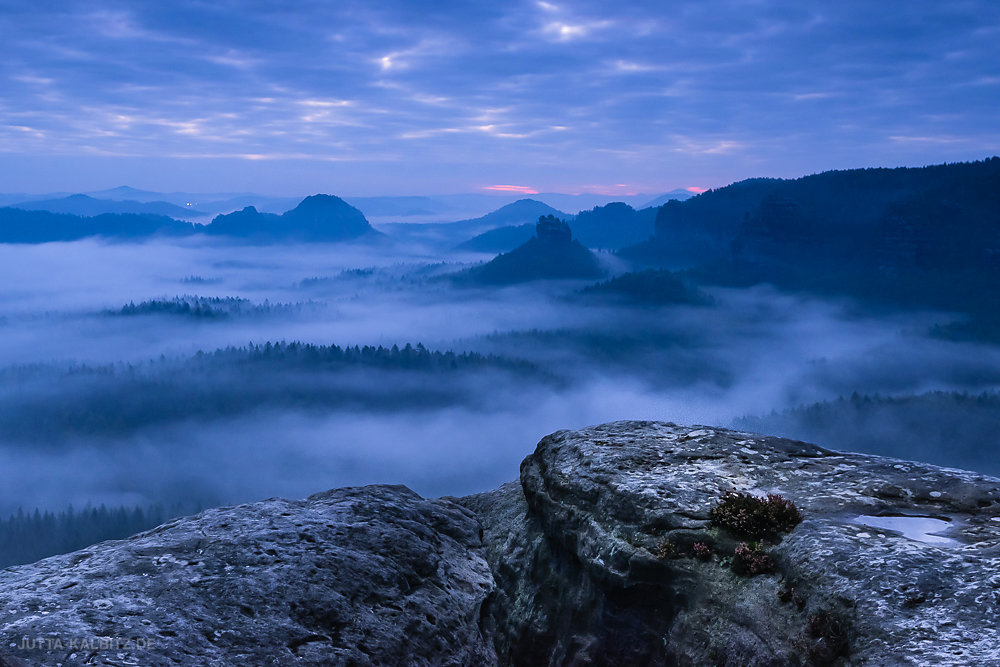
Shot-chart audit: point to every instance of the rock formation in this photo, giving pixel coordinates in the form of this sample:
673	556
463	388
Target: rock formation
351	576
605	552
552	254
585	570
551	231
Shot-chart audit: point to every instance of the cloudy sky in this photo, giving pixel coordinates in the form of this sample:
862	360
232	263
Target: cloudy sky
400	97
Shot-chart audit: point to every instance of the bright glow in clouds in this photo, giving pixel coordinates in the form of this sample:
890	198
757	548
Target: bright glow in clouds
556	94
566	32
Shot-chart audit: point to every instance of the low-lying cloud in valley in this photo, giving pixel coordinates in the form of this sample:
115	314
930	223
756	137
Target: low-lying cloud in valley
92	413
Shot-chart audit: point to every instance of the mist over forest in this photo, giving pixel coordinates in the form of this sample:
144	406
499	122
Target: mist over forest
152	369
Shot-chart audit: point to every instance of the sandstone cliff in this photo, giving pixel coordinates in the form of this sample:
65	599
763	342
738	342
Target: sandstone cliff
604	552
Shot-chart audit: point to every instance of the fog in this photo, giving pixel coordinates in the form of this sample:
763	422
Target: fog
102	406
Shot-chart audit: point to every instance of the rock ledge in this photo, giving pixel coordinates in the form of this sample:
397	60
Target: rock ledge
588	559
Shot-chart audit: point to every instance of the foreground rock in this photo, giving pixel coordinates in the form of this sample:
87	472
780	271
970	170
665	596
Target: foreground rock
352	576
589	559
594	559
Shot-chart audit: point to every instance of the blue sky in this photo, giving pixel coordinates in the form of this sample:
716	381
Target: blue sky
363	98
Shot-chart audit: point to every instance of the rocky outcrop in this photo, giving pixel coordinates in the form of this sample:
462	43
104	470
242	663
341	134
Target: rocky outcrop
594	555
352	576
605	552
552	254
552	231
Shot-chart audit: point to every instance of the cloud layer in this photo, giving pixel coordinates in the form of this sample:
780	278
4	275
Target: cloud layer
390	97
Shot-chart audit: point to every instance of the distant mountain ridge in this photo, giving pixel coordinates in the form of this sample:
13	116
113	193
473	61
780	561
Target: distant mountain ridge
673	195
206	204
87	206
615	225
450	234
316	218
872	222
517	212
125	192
421	209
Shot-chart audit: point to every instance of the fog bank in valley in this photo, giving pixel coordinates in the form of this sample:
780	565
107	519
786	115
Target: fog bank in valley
106	399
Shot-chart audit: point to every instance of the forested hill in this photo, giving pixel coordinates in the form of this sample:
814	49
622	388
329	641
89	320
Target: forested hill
551	254
834	204
870	232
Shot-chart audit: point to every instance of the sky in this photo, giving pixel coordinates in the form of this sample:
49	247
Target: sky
398	97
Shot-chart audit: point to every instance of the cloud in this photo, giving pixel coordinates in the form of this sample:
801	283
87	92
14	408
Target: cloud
565	32
708	146
926	140
792	89
520	189
632	67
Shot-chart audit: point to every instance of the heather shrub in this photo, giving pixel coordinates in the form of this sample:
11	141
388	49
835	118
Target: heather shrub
701	551
754	517
750	559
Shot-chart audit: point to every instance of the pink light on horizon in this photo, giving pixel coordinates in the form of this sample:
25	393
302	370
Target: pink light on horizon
520	189
696	190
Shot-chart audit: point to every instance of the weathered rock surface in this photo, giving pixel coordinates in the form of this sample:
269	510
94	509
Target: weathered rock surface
593	561
588	559
373	575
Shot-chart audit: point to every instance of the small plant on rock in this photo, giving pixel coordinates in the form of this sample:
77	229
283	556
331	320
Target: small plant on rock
747	515
701	551
665	549
750	559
